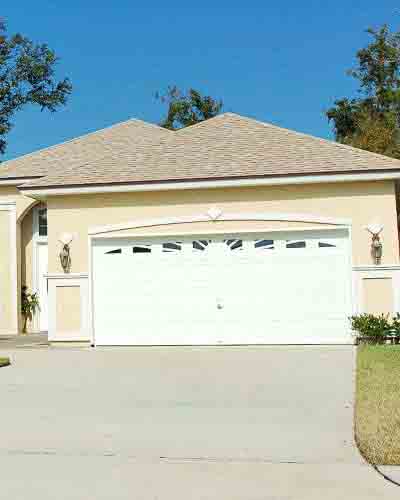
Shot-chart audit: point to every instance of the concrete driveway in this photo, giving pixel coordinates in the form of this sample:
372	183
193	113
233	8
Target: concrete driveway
192	423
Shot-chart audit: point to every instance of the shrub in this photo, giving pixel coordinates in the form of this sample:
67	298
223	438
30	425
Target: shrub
374	329
4	362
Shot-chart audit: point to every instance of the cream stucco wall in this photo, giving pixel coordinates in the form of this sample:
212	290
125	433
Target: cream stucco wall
7	301
378	295
68	313
11	193
27	250
6	313
361	202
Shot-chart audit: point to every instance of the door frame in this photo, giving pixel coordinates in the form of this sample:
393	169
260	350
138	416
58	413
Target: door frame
317	223
37	241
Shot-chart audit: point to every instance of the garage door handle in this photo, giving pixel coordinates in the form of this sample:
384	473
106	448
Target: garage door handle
219	304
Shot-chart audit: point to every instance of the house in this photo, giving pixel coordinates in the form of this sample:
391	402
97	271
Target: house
231	231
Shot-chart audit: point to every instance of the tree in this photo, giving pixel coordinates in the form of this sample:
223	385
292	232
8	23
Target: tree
372	121
376	133
187	109
27	77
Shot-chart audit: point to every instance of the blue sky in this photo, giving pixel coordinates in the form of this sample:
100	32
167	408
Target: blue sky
281	62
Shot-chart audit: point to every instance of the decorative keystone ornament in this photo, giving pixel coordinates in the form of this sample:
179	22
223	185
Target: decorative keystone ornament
376	244
214	213
65	254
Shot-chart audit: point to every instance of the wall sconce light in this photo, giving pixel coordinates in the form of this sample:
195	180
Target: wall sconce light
376	243
65	256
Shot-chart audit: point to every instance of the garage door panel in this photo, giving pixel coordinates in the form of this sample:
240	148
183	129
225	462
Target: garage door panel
226	290
158	297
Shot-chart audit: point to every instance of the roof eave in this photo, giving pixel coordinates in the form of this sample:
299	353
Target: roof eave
45	191
17	181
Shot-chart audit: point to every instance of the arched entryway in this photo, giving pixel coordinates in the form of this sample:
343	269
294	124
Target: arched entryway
34	260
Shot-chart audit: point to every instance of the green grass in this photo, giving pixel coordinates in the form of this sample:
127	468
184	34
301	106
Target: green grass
4	362
377	411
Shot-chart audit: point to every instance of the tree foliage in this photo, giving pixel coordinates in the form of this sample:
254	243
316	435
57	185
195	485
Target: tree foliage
27	76
187	109
372	120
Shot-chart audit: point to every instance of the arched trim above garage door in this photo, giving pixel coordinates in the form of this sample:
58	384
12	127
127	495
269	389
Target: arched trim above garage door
217	214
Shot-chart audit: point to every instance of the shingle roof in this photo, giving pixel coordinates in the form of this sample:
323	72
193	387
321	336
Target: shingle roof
226	147
129	137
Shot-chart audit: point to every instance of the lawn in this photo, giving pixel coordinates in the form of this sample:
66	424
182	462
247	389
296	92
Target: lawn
4	362
377	411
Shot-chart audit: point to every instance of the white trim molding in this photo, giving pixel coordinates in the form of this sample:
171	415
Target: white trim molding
37	240
221	216
11	208
66	276
373	268
78	280
209	184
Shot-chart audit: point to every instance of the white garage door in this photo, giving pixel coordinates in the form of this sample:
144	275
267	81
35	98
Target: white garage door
233	289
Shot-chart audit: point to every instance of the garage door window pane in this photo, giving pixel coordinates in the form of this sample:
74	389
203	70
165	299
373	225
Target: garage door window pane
117	250
141	249
264	244
234	244
295	244
201	244
323	244
172	247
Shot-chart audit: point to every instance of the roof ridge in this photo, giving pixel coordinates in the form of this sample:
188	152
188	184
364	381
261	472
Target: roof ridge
78	138
204	122
149	124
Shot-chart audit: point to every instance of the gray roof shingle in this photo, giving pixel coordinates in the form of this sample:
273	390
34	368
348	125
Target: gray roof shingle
131	138
228	146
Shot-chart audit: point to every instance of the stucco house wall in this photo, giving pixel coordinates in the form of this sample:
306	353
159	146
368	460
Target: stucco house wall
326	182
23	203
27	250
18	251
6	322
361	202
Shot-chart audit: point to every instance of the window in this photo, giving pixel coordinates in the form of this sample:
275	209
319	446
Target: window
234	244
172	247
201	244
118	250
42	221
322	244
141	249
264	244
295	244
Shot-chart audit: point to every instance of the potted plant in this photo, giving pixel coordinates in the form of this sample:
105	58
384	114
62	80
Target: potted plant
29	306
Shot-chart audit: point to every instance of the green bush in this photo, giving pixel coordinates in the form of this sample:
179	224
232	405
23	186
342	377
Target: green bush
375	329
4	362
